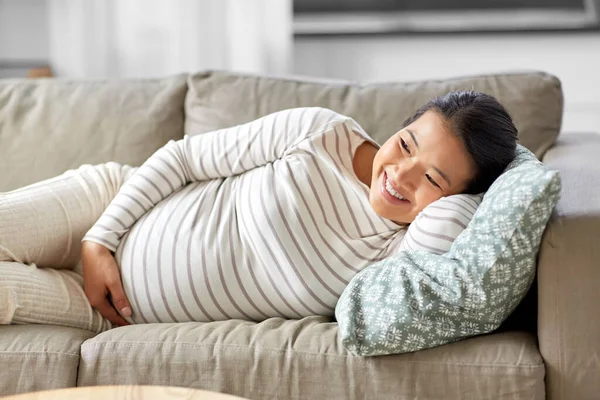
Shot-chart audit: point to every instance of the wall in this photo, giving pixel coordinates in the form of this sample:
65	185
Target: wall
148	38
111	38
23	38
574	58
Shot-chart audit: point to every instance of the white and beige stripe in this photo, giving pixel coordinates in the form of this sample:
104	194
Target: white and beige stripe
439	224
259	220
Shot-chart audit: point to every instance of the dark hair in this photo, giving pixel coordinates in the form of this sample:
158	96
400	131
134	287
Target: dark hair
484	127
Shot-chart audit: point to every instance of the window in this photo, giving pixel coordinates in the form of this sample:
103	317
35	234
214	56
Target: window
380	16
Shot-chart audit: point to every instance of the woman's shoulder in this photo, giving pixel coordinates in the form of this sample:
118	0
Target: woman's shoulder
318	118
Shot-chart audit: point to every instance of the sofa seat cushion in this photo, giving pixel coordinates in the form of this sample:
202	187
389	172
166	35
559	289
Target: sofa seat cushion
304	359
39	357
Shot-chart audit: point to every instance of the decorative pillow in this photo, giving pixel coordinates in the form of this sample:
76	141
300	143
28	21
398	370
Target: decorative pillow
416	299
436	227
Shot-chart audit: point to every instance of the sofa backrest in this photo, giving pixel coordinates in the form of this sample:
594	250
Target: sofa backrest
48	126
220	99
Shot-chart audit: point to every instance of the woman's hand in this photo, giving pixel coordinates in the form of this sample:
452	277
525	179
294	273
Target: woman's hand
101	278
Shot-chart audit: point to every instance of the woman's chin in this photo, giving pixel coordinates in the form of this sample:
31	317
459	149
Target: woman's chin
383	211
400	220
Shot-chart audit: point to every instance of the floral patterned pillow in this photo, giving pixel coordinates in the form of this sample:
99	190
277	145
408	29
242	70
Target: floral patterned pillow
416	299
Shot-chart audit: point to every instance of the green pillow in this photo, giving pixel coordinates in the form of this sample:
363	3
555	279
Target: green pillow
415	300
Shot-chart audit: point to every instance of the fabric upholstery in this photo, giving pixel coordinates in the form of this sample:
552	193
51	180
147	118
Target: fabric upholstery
291	359
39	357
569	273
50	126
221	99
416	300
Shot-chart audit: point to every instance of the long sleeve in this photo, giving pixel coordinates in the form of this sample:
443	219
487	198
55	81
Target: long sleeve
217	154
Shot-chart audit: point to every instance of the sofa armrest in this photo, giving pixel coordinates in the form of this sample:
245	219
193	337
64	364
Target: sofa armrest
569	273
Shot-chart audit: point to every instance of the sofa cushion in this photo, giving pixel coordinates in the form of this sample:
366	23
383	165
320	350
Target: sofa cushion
39	357
304	359
220	99
50	126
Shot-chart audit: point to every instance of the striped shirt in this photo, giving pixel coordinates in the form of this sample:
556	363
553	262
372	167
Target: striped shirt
265	219
435	229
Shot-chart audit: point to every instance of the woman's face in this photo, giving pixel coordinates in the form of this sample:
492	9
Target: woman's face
417	166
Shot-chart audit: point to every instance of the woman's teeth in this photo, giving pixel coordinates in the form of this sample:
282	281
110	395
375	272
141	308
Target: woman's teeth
391	190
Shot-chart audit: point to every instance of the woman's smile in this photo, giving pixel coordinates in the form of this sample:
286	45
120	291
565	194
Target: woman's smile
391	193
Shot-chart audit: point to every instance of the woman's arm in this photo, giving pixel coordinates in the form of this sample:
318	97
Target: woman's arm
217	154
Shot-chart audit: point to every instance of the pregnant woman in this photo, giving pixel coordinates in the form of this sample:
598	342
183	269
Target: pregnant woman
269	218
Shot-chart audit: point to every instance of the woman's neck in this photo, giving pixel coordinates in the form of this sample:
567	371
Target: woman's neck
363	162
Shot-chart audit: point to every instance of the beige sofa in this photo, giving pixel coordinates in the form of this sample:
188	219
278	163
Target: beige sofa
47	127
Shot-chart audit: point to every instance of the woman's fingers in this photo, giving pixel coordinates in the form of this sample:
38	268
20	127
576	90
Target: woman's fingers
98	297
115	288
108	312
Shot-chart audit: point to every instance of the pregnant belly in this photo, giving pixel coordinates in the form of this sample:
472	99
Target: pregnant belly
188	260
156	259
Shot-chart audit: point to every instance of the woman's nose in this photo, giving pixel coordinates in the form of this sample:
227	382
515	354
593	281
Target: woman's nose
406	173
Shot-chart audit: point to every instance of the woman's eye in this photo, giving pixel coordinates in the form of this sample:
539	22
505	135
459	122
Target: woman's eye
404	145
430	179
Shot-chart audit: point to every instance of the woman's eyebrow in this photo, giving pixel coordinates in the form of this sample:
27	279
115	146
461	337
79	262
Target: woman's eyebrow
414	139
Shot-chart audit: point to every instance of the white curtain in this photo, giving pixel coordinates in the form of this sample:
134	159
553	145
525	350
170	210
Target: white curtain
147	38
